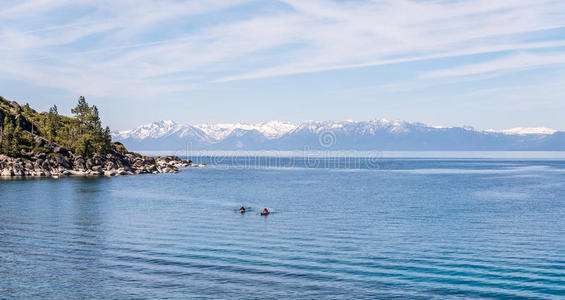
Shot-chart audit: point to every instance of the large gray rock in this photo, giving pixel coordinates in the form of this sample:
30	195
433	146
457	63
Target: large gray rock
39	155
79	163
110	173
45	165
110	165
65	162
61	150
7	172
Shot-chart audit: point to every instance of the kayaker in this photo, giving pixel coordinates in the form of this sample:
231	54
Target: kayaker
266	211
242	209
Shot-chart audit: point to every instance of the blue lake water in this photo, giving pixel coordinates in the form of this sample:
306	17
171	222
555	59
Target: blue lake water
361	228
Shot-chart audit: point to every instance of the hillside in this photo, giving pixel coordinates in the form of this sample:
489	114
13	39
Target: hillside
82	135
49	144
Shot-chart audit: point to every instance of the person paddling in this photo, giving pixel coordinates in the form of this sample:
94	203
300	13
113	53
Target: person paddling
265	211
242	209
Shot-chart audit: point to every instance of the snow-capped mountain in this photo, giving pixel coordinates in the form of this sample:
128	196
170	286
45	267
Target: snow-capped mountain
152	130
335	135
526	130
215	132
270	130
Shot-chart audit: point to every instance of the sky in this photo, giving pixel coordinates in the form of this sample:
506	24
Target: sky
482	63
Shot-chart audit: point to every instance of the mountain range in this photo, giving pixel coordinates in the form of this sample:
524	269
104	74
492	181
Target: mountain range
336	135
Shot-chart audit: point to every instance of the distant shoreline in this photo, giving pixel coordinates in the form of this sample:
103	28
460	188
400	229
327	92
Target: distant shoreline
558	155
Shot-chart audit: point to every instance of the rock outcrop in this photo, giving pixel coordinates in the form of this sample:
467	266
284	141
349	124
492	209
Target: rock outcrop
59	161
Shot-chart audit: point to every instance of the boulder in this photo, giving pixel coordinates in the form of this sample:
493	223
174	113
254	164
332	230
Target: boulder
121	172
26	154
61	150
64	162
96	173
37	164
110	165
59	159
79	163
138	163
7	172
39	155
45	165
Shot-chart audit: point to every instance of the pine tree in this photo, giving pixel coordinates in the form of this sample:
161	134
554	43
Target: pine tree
8	131
91	137
16	139
52	123
1	134
107	143
82	110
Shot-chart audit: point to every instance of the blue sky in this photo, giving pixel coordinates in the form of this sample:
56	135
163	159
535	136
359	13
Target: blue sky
489	64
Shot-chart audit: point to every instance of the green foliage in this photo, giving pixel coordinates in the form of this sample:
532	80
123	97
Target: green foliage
82	110
40	150
8	140
52	123
83	134
91	138
120	147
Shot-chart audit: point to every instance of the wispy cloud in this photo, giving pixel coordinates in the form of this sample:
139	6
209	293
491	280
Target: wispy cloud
514	62
149	47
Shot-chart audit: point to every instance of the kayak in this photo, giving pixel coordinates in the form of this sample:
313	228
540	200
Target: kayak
265	213
243	210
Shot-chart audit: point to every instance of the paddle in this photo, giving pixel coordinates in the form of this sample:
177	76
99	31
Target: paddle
249	208
270	212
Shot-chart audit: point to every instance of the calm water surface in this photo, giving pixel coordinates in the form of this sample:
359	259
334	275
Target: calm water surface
405	228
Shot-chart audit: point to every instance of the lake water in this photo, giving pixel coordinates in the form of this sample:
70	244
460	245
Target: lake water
360	228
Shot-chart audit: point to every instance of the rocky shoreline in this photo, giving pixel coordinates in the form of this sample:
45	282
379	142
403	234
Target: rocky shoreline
58	161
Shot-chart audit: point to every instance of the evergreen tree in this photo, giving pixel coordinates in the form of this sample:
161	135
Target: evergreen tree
83	146
82	110
16	139
94	120
1	134
8	131
91	136
107	140
52	123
